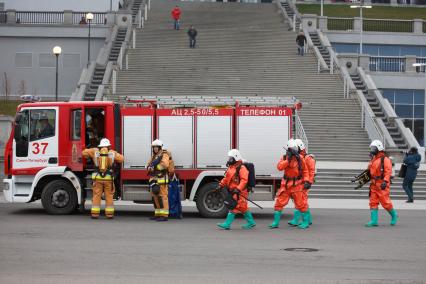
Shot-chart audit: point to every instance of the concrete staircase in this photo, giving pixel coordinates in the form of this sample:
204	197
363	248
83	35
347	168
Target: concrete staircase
290	13
136	5
243	49
322	49
336	184
379	112
99	72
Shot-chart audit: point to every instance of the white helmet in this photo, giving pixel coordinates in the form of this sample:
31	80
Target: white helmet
234	153
378	144
157	143
104	143
291	144
300	144
286	145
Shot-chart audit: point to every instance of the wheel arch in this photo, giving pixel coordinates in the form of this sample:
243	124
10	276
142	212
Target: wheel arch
202	179
49	174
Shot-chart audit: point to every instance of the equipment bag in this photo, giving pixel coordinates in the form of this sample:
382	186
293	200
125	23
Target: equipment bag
154	187
229	200
403	171
175	207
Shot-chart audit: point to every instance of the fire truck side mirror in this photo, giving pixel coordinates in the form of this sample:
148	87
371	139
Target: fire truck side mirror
17	133
18	117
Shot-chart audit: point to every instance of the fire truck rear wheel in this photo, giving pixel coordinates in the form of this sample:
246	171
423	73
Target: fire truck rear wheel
59	198
210	203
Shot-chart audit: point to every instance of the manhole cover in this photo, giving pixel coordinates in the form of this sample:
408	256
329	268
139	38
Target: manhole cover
301	249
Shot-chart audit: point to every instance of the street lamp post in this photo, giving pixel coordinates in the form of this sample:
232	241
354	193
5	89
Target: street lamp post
362	22
420	65
57	51
89	18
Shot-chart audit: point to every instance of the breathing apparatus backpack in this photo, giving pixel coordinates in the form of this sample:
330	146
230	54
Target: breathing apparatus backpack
251	182
103	161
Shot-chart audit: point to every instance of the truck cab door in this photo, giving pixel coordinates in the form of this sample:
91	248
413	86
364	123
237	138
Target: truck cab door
35	143
76	126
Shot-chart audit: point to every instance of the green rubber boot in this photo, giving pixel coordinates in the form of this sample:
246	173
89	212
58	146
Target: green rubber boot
305	220
394	216
250	221
227	224
295	221
310	217
374	218
277	218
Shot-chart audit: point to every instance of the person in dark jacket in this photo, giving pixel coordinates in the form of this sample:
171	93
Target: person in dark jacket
47	130
412	160
192	34
301	40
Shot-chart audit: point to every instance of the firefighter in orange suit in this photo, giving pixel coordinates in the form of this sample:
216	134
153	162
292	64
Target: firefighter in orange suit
159	181
380	169
294	182
103	177
235	182
310	164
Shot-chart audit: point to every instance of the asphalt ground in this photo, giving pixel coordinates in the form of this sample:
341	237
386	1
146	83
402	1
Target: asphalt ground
40	248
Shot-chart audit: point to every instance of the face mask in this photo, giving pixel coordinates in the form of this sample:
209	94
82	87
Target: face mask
374	151
231	161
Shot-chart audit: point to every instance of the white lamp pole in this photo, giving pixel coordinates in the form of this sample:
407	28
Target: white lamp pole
56	51
362	22
89	18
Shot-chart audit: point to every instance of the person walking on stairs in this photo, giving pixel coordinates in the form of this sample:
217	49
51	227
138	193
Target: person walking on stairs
192	34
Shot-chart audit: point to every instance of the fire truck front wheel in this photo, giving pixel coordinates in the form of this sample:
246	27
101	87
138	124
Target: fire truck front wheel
210	202
59	198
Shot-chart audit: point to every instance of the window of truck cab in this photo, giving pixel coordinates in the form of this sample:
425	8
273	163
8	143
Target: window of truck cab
42	124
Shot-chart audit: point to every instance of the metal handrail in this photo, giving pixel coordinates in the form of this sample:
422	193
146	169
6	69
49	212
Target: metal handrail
300	131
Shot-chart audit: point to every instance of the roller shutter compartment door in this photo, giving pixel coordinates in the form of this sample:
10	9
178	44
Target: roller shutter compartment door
213	141
176	132
137	138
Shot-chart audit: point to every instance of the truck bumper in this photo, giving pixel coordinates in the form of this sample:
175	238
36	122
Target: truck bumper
8	190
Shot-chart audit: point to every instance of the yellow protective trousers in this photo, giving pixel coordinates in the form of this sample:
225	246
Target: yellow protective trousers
106	187
161	201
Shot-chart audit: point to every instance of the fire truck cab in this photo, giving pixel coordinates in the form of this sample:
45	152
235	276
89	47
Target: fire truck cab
43	156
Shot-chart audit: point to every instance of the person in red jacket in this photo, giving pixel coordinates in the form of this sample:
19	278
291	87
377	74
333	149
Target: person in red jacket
380	169
235	182
176	16
293	183
310	164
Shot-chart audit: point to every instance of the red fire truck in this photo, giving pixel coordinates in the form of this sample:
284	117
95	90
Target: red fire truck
43	154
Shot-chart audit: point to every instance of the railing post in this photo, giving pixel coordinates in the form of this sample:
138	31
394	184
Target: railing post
149	5
345	81
331	65
146	12
127	61
134	39
120	58
294	22
140	18
362	115
114	81
319	66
